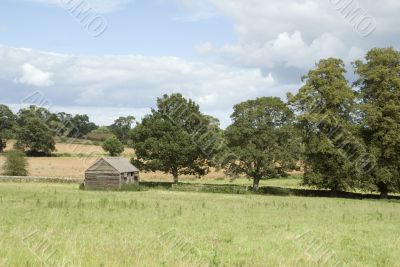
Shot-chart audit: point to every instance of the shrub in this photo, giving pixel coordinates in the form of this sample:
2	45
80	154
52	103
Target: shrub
113	146
16	164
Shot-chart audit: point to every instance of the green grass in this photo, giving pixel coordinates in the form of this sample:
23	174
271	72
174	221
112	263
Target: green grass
48	224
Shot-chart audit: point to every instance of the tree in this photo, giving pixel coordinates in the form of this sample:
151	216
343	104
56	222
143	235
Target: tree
122	126
34	135
165	140
325	105
50	119
35	111
7	124
81	126
263	139
379	95
16	164
113	146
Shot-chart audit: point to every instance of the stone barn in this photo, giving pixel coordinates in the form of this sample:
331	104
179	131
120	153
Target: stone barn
110	173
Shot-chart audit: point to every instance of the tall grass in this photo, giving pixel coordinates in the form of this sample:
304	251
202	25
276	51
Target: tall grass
163	228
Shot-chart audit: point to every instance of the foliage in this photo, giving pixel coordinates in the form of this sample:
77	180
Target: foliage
81	126
122	127
34	111
62	124
379	95
7	125
113	146
166	140
325	105
263	139
33	134
16	164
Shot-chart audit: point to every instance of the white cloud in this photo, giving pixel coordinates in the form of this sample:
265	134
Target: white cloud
289	50
277	42
132	81
282	35
34	76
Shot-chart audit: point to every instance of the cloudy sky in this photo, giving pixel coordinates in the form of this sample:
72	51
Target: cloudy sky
109	58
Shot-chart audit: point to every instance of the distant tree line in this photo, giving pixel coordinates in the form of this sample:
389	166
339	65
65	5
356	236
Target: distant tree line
35	129
347	135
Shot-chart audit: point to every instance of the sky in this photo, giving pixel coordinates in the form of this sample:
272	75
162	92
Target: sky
111	58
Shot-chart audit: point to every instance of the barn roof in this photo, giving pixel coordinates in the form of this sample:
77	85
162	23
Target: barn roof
120	164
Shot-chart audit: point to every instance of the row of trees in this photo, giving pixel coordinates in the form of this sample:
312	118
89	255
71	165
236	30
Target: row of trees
176	138
34	128
351	133
348	135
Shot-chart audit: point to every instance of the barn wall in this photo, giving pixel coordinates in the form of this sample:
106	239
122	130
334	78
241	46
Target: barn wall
102	180
102	176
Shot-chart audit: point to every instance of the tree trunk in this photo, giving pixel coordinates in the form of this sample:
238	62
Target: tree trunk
383	188
256	184
176	177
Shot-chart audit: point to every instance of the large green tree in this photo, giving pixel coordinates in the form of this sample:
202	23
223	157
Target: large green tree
122	127
165	140
34	135
379	94
7	126
325	106
53	121
263	140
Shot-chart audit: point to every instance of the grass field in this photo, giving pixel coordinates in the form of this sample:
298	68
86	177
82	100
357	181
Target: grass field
52	225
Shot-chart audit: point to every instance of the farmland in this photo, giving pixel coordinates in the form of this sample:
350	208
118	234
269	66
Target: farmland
48	224
72	159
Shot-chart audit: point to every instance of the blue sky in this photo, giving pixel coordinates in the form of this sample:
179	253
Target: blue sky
150	28
217	52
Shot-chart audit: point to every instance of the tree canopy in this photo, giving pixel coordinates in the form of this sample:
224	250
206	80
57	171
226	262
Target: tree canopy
113	146
122	127
7	126
263	139
165	139
81	126
379	95
33	134
325	105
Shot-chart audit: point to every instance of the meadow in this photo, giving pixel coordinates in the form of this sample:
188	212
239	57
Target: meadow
59	225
